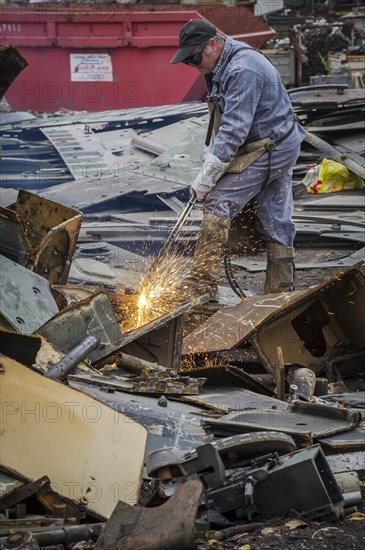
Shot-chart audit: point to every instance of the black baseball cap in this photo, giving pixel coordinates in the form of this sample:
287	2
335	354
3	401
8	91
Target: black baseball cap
194	33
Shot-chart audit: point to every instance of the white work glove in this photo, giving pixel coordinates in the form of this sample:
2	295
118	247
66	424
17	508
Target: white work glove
206	150
211	171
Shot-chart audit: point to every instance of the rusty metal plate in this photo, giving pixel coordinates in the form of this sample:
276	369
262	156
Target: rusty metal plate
43	235
232	325
159	340
23	492
310	326
26	300
92	316
322	325
158	383
167	527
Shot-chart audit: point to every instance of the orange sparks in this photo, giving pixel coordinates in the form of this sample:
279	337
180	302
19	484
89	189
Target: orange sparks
159	292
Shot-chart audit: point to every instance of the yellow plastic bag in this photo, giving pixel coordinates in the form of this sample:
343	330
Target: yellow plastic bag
330	177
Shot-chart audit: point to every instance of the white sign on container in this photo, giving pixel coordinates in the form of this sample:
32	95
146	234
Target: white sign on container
91	67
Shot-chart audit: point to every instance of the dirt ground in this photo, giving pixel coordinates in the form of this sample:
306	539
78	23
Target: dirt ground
339	536
347	534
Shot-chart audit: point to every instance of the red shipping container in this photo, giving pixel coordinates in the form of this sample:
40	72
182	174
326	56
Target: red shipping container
98	57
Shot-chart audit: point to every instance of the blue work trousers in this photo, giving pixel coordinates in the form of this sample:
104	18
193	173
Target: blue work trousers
273	204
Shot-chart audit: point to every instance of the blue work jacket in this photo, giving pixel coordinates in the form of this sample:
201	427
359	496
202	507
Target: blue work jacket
253	101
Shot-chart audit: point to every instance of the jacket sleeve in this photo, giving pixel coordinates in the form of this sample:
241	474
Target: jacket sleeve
241	93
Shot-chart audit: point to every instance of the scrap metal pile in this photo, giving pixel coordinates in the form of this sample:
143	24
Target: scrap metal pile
161	423
234	410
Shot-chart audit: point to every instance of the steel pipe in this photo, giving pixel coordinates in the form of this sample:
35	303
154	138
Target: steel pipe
60	370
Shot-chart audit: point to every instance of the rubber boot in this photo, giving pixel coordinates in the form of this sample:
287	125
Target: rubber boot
280	268
206	271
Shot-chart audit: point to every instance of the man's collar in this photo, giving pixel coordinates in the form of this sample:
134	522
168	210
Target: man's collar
228	45
220	60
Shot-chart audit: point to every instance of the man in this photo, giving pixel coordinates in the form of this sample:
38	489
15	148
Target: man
251	155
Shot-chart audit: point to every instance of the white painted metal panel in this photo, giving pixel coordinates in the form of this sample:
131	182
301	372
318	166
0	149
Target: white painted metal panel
91	453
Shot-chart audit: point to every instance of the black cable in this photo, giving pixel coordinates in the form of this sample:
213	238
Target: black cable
231	278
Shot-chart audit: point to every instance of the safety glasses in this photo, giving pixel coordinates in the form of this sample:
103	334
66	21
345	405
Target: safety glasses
196	58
